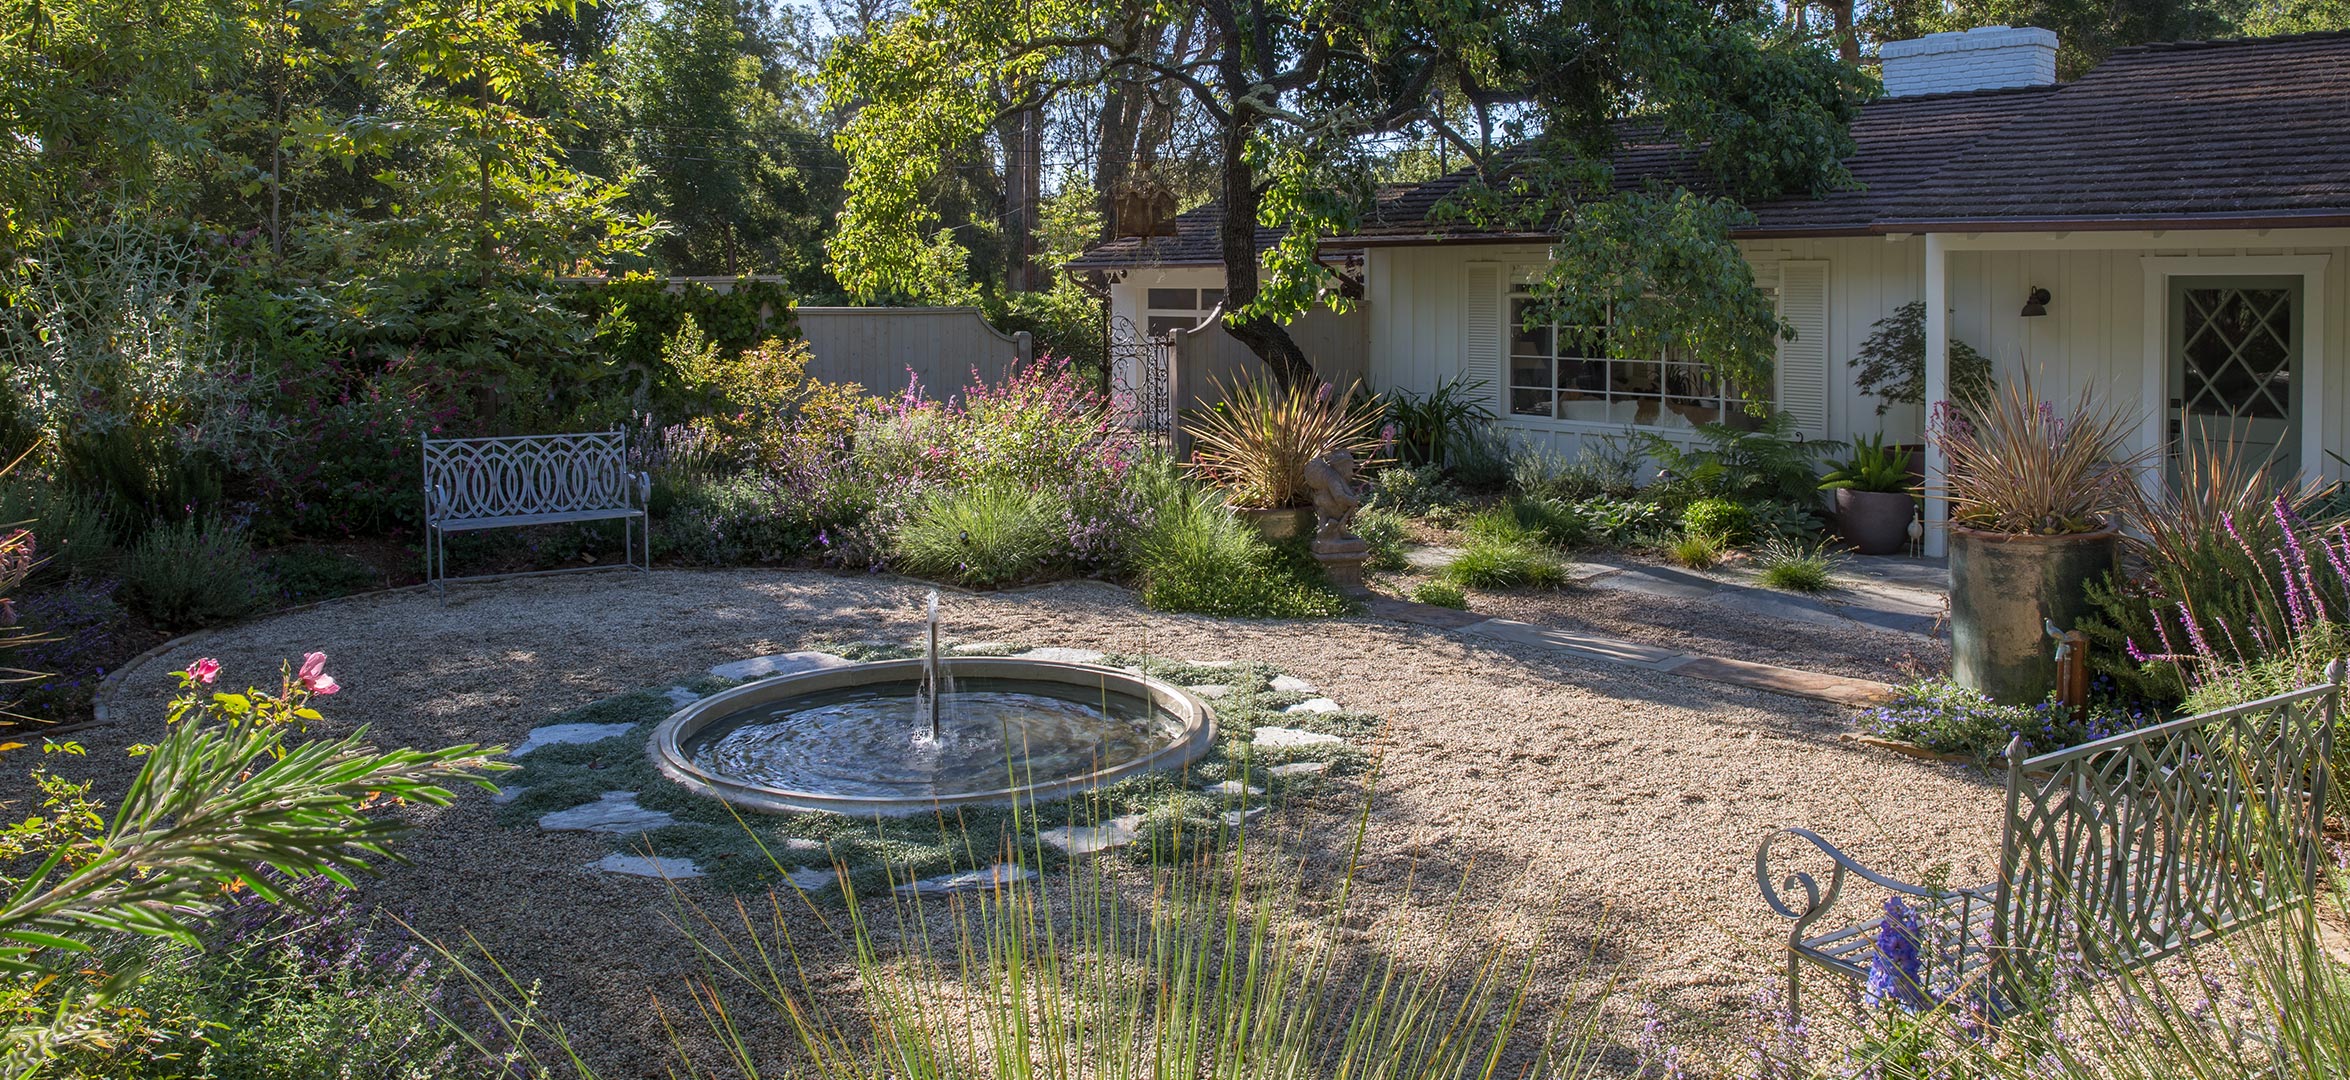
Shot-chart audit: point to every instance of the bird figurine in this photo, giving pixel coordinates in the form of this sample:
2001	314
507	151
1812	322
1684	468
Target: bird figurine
1917	533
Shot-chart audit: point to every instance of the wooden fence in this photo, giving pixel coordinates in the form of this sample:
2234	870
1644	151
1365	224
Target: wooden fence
878	348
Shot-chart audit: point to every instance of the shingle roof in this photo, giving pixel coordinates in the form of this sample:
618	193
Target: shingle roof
2220	131
2256	128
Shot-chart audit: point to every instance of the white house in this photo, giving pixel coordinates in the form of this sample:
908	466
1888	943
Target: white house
2185	207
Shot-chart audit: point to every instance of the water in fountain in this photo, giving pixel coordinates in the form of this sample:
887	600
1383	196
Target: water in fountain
938	684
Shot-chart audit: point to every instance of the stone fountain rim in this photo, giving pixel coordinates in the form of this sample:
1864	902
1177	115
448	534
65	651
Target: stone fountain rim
667	746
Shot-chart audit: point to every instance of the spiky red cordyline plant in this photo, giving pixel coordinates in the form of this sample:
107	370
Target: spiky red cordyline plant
2018	467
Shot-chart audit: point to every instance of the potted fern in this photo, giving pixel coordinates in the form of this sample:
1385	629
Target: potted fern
2033	496
1873	502
1256	443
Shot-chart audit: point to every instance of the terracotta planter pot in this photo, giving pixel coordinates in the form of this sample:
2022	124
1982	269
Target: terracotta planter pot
2004	590
1875	522
1280	523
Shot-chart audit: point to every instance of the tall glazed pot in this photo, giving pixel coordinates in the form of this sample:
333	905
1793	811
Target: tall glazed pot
2004	589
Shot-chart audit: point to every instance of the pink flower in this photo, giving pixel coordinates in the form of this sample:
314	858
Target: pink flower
314	677
204	670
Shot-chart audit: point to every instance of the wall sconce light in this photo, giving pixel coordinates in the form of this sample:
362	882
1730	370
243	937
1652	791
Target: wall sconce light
2036	302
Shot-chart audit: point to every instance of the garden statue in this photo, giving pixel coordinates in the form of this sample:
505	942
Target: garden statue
1330	480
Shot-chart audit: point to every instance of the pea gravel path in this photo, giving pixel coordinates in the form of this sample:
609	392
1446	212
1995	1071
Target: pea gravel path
1601	810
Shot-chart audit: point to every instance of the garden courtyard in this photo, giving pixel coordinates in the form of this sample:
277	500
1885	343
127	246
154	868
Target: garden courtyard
1600	815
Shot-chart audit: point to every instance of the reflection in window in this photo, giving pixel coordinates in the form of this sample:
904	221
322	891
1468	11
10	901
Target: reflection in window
1571	373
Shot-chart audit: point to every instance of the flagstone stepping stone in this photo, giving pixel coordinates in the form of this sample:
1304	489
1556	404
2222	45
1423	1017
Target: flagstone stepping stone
617	812
790	663
1233	788
1063	656
1210	690
967	881
1238	818
560	734
1281	738
680	696
812	878
1298	768
1291	684
969	648
1087	839
506	795
1313	705
652	866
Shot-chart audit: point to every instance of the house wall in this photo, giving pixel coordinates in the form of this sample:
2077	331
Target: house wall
1416	321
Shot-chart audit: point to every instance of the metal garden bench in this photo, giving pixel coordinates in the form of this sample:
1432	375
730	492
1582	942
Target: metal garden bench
516	480
2127	849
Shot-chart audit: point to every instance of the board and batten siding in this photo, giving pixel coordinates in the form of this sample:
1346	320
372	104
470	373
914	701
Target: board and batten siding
1428	306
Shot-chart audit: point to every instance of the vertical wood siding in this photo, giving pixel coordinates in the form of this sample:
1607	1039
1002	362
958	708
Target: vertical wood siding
941	347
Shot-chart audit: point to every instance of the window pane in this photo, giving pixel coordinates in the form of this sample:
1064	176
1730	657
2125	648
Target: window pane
1530	371
1635	377
1535	342
1587	341
1173	299
1163	325
1529	402
1589	376
1209	298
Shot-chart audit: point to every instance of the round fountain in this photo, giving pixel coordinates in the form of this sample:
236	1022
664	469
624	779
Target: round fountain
906	736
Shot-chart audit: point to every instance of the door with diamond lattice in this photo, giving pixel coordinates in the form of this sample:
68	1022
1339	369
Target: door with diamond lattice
2235	367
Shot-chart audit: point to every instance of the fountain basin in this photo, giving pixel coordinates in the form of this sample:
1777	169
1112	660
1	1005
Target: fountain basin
844	740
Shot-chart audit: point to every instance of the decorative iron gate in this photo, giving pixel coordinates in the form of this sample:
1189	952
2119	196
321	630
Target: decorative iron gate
1139	366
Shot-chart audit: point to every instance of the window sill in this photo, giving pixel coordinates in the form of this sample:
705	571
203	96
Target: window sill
1592	427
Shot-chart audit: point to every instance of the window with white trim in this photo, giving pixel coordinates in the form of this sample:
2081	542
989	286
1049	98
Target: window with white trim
1574	373
1168	310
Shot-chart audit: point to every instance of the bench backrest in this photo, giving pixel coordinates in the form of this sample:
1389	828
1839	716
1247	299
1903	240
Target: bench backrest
2136	846
514	475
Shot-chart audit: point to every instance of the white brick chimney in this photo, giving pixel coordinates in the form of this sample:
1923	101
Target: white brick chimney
1984	58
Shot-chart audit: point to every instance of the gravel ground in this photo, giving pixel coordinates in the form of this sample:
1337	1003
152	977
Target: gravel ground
1605	813
1708	627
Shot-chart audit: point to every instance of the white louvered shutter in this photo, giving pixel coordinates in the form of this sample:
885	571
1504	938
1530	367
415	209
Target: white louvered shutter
1803	362
1481	332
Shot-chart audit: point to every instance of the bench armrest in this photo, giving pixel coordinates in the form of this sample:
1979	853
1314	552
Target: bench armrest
1778	890
436	503
644	490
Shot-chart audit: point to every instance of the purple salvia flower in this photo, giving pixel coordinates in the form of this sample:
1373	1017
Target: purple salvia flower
2194	630
2292	593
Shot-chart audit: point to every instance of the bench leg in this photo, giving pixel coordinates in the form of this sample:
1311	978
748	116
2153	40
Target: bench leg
1794	986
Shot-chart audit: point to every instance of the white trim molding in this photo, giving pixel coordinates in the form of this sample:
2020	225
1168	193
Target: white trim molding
2311	269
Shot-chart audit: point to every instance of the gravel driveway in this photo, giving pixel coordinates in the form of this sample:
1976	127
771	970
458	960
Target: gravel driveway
1598	810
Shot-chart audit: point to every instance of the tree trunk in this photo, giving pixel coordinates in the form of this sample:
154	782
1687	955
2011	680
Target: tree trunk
1263	336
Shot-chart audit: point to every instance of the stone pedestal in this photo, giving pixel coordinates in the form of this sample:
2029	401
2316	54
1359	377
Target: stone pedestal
1342	559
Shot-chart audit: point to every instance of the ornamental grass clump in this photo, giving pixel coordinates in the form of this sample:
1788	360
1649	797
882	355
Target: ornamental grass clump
2016	466
984	534
1257	442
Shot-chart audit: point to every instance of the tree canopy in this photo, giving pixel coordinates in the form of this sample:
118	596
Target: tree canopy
1304	100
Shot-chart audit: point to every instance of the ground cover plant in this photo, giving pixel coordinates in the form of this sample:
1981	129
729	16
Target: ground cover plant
1946	718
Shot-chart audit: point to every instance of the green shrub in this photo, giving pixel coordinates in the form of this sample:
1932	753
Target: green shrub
194	573
313	988
1383	530
1441	593
71	532
1500	561
1603	466
1540	521
1719	518
1769	461
1697	550
307	573
1195	556
1947	718
1442	426
984	534
1413	490
1770	519
1623	522
1797	568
